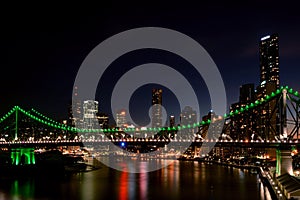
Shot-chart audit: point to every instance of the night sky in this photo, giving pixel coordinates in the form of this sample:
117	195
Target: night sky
42	49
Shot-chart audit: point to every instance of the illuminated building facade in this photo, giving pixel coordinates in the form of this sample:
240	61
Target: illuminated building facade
269	59
121	119
269	81
172	121
263	121
243	124
188	116
75	114
90	110
156	107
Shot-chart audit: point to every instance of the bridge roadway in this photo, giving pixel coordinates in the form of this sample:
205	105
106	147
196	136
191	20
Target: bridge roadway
284	144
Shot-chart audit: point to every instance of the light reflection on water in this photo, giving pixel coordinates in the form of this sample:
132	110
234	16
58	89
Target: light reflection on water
180	180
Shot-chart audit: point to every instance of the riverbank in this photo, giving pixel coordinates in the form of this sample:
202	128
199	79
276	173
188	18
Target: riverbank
252	168
263	174
264	177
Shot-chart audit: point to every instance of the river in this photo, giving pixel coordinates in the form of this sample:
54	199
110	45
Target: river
180	180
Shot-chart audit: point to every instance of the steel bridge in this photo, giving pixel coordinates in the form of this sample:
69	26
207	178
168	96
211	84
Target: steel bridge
268	122
274	117
157	142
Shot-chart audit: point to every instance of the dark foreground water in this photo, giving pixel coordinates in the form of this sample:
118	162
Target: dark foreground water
180	180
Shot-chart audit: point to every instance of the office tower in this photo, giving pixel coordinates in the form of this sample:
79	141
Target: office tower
243	124
121	118
75	112
242	127
172	121
156	107
269	59
188	116
90	110
267	122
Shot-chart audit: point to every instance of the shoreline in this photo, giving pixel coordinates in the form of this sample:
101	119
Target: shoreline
258	170
230	164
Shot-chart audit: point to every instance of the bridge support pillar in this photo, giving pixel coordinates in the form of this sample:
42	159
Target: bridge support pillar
23	156
283	162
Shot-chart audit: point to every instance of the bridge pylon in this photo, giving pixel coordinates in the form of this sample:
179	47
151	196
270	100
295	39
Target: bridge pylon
284	161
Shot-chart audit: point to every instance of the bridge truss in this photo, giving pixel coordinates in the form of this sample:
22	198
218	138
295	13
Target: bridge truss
273	117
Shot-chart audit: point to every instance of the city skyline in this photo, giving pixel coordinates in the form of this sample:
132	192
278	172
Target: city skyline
181	135
245	93
50	69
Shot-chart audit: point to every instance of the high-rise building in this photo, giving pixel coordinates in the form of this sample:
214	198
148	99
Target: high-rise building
156	107
267	119
75	113
263	121
268	115
188	116
243	124
172	121
90	110
121	118
269	59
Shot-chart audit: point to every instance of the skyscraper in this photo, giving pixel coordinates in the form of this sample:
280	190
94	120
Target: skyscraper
268	115
90	109
269	59
75	110
121	118
172	121
188	116
156	107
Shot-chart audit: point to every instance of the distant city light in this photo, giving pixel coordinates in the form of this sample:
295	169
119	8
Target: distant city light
264	38
143	128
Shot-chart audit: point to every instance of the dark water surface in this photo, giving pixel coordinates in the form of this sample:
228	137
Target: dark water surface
180	180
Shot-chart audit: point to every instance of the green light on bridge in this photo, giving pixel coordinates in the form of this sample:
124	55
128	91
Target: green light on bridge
22	156
278	91
52	123
272	94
